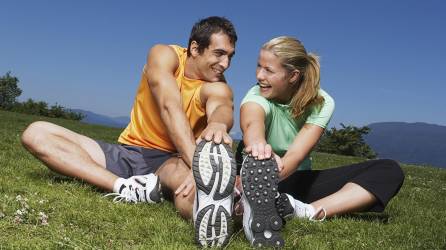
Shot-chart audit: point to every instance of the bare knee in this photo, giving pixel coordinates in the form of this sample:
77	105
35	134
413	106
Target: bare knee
34	135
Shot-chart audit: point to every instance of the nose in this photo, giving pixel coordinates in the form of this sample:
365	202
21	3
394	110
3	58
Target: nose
225	62
260	75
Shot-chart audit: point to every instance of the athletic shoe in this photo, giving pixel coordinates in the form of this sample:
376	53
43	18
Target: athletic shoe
289	207
140	188
261	221
214	171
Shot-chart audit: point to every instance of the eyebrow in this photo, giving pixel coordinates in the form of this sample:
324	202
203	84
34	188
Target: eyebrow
224	52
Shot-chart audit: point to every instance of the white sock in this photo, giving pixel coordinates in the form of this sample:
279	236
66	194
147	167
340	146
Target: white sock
118	183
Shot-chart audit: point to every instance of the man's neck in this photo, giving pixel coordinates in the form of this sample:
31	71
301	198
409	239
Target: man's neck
190	70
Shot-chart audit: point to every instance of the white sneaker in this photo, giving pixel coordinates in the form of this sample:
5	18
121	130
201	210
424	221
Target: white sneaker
261	221
139	188
214	171
289	207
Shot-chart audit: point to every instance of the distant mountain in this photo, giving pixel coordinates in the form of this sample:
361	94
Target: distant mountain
93	118
416	143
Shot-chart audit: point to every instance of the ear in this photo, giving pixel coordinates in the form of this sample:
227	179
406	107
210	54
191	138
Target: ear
295	75
194	49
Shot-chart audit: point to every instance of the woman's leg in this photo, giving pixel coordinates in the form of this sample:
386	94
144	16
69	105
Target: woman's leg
366	186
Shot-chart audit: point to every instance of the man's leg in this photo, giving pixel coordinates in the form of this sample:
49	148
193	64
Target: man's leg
172	174
68	153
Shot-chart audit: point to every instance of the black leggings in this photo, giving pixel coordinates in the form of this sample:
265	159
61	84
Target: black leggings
382	178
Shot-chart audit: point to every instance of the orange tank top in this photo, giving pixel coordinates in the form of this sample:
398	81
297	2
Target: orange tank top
146	129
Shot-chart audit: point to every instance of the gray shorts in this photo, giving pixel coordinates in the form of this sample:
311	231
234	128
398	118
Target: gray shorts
125	160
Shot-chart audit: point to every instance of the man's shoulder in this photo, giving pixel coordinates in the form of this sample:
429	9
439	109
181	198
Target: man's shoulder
219	90
163	49
216	87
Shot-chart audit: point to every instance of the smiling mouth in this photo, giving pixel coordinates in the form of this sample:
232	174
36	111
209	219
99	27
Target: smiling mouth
264	86
218	71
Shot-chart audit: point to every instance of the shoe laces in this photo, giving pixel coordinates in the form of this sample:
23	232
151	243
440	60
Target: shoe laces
129	193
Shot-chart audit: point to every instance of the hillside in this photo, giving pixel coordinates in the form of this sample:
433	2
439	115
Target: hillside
98	119
42	210
415	143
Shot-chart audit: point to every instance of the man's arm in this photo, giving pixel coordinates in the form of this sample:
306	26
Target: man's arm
218	101
160	69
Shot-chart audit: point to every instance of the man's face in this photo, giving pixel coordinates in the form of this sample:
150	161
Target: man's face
215	59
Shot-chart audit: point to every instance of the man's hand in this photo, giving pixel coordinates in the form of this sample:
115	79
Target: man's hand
187	186
215	131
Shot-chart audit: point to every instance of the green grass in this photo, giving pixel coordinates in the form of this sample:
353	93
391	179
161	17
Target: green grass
79	217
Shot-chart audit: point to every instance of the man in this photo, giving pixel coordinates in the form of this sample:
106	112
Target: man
182	98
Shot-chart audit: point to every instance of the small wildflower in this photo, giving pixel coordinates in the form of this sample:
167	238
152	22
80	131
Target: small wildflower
43	218
17	219
18	198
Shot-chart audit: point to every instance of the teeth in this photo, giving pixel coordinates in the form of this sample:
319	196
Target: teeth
264	86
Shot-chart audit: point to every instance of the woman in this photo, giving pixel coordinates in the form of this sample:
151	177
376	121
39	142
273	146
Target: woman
282	118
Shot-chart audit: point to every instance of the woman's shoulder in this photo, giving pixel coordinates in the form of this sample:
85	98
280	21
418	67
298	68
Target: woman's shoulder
253	95
327	98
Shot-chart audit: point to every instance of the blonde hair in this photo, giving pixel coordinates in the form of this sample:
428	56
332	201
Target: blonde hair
293	56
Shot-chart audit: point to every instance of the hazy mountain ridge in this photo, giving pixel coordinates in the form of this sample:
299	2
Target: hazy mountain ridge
416	143
94	118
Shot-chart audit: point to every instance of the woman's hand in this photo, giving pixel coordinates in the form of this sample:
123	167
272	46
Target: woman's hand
259	150
279	163
262	151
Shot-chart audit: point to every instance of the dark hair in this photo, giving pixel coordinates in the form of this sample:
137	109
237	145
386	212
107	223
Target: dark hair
204	28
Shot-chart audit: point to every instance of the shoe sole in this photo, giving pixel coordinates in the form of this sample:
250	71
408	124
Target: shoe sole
215	182
260	186
284	207
156	196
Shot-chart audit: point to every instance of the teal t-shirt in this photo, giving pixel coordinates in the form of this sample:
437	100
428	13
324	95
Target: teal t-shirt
281	128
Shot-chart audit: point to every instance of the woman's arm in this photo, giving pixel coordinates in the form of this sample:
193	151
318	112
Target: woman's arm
252	123
302	145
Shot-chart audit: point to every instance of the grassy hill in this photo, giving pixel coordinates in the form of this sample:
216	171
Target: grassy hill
40	209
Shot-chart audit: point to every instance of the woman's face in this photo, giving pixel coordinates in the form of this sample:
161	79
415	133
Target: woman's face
274	80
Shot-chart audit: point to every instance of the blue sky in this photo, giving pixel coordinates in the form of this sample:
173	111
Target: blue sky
381	60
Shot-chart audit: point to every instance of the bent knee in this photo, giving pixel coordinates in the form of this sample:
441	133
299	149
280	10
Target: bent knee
394	170
34	134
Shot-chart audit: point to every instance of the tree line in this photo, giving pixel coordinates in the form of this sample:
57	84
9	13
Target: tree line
10	91
347	140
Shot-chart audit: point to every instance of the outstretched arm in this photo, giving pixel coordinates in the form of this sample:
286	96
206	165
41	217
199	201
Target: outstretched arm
302	145
160	69
252	123
218	101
